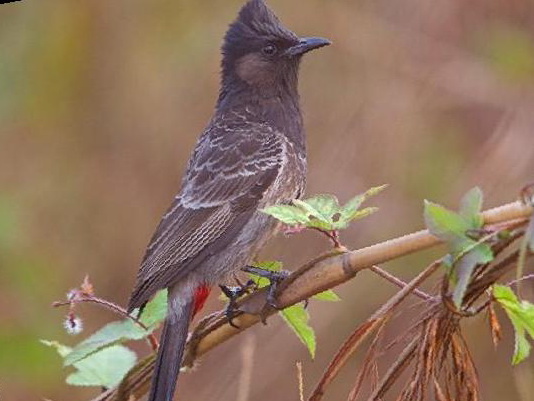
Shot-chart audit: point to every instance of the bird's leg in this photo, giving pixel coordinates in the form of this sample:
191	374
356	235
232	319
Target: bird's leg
274	277
233	294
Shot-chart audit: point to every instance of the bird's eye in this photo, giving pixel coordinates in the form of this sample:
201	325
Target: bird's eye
269	50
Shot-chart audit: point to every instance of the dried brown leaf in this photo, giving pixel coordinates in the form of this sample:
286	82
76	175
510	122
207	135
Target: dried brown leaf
495	325
87	287
438	392
369	368
346	350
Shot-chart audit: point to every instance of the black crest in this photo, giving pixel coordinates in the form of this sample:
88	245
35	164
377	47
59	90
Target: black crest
255	25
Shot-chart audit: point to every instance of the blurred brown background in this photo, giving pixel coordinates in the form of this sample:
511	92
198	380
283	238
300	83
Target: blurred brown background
102	101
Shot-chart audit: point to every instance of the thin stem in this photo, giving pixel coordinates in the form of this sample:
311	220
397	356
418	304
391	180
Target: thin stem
399	283
527	277
152	340
333	235
314	277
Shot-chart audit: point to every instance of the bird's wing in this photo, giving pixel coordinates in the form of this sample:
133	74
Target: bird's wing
228	174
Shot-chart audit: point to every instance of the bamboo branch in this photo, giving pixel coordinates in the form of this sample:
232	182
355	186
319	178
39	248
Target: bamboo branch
319	275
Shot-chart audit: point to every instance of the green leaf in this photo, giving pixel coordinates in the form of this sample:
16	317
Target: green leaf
445	224
522	346
297	317
471	208
155	310
521	314
326	205
327	295
345	219
111	334
527	244
288	214
323	211
61	349
120	331
271	265
480	254
316	223
323	215
105	368
354	204
453	228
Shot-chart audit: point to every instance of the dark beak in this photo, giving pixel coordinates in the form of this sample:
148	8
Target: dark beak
305	45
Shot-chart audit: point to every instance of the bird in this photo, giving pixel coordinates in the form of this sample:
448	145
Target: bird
252	154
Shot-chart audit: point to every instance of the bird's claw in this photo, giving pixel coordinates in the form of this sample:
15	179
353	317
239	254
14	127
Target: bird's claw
275	278
233	294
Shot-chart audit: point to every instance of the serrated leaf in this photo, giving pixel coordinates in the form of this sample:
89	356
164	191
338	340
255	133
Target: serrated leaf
312	211
323	225
272	265
445	224
521	346
61	349
375	190
297	317
105	368
473	254
464	269
155	311
344	220
354	204
120	331
328	295
471	208
111	334
288	214
521	314
326	205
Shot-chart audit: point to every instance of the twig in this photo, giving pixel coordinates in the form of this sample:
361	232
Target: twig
323	275
333	235
301	381
152	340
527	277
364	330
399	283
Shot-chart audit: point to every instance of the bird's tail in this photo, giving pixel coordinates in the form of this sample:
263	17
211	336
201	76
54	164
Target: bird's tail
181	310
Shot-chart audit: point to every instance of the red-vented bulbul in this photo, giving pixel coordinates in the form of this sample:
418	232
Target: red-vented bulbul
252	154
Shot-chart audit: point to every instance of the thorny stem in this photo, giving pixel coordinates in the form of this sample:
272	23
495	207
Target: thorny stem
152	340
399	283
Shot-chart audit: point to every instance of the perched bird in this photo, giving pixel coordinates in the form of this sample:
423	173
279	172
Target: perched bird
252	154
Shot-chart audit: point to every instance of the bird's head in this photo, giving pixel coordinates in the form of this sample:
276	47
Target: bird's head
260	53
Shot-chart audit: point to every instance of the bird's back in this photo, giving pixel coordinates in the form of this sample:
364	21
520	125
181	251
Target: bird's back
242	163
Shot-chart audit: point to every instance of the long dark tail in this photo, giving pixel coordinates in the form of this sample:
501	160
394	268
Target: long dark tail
171	348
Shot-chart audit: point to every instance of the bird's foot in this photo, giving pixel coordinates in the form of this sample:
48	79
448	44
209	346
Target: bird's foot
233	294
275	278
